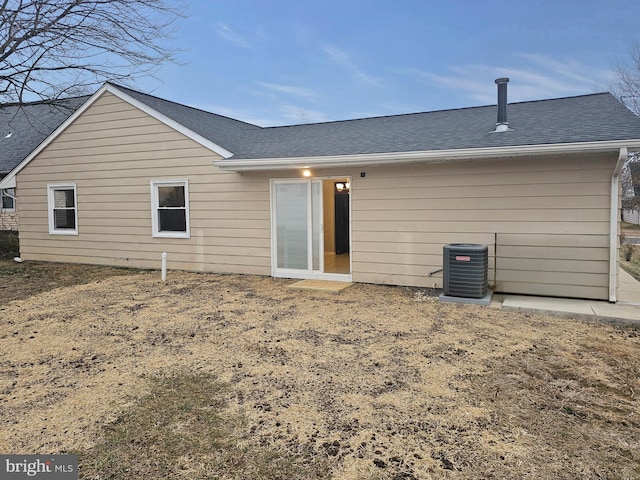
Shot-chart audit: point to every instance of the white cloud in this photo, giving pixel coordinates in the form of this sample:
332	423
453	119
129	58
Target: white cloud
288	89
343	59
534	77
237	114
474	87
287	114
570	69
231	36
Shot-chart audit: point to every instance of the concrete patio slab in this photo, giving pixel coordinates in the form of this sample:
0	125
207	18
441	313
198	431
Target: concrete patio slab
588	310
628	292
625	312
320	285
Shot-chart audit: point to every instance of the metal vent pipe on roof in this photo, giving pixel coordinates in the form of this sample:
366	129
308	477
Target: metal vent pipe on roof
502	125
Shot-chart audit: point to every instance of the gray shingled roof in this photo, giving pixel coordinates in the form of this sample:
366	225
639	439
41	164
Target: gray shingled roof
23	128
227	132
586	118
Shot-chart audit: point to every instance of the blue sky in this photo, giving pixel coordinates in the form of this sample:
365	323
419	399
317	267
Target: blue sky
286	62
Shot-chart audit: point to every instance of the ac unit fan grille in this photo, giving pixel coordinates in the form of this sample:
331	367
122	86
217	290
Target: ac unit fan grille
465	269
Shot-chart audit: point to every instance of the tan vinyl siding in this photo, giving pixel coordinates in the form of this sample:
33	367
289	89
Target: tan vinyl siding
548	215
112	152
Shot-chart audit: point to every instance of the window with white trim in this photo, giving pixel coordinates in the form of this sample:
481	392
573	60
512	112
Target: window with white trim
63	213
8	199
170	208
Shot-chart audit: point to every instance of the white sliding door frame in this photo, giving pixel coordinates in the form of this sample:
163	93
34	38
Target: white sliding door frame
314	225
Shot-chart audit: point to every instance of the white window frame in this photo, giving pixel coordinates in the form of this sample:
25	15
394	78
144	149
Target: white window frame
51	188
4	192
155	223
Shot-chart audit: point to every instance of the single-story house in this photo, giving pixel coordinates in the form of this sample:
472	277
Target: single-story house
22	129
128	176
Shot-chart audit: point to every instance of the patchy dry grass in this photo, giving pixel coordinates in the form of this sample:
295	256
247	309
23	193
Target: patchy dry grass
629	226
23	280
631	266
224	376
178	430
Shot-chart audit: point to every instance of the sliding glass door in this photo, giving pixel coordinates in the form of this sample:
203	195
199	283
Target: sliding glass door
292	218
297	227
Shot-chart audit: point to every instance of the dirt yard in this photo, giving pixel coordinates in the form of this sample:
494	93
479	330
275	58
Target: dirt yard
374	382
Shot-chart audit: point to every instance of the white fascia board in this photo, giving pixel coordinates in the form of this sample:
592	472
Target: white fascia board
432	156
8	182
169	122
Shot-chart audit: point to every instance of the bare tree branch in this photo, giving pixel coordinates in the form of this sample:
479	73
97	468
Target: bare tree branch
49	48
627	84
630	182
627	88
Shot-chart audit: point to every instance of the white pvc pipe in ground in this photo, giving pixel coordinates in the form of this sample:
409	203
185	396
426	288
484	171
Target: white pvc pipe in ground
164	266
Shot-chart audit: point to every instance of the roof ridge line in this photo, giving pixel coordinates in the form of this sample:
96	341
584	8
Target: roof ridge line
183	105
434	111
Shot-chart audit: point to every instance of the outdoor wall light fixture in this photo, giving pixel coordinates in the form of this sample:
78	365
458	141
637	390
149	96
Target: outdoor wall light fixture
306	173
340	186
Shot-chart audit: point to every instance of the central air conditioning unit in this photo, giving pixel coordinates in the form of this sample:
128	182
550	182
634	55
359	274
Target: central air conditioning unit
465	271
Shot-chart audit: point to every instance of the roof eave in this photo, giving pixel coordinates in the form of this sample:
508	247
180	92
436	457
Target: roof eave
431	156
10	181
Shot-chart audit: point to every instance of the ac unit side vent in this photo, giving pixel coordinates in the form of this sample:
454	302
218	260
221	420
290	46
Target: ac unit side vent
465	268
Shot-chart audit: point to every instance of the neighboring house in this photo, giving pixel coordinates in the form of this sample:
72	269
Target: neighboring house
631	214
129	176
8	213
22	129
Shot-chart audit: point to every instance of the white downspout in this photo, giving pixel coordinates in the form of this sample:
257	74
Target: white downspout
613	225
